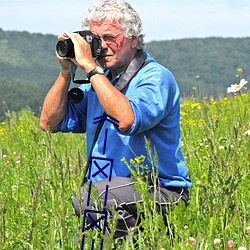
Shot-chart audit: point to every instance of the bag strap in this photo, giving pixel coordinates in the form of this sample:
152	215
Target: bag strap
136	64
97	132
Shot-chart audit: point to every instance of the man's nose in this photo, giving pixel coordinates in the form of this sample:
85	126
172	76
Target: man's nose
104	44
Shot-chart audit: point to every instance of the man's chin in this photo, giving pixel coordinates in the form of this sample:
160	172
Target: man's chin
105	63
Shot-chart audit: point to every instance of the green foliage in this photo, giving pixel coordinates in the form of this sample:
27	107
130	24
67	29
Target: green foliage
40	172
203	67
37	181
208	62
28	58
14	95
28	68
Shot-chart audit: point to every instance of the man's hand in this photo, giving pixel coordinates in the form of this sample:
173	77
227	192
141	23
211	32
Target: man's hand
83	54
66	63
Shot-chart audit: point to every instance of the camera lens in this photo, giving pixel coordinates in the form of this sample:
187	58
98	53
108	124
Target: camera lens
65	48
75	95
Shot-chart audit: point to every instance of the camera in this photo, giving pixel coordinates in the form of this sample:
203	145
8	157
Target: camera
65	48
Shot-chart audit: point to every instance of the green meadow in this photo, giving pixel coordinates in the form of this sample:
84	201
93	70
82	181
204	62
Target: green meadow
40	172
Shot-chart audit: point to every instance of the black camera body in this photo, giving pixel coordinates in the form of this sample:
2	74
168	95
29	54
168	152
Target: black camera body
65	48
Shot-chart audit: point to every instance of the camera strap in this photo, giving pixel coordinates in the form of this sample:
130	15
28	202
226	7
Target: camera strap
136	64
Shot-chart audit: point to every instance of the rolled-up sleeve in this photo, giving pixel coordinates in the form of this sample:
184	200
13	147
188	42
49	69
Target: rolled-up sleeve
152	99
75	117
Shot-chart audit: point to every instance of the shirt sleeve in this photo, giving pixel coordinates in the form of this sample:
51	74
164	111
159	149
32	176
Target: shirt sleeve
75	118
154	96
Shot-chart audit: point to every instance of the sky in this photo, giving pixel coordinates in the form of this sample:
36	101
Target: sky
162	19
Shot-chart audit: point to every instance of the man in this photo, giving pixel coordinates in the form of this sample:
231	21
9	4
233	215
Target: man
141	98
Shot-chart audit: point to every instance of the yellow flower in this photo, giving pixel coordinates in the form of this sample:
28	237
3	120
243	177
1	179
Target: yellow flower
137	159
195	105
132	162
240	70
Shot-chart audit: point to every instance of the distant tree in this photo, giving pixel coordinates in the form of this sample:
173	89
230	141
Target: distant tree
17	95
203	67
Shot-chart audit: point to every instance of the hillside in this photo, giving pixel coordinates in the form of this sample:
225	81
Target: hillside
28	57
211	63
28	66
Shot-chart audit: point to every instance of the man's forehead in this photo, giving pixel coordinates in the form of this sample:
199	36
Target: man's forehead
104	27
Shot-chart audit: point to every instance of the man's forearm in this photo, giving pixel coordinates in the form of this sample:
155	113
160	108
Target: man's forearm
55	103
113	102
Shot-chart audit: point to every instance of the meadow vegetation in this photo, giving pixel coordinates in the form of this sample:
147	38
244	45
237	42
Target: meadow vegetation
40	172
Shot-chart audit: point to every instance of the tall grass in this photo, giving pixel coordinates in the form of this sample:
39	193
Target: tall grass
40	172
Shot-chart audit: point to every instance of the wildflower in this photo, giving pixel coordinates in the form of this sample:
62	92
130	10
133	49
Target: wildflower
14	188
237	87
192	240
248	230
45	216
216	241
132	162
195	106
198	182
221	147
240	70
138	160
247	133
242	248
123	159
230	244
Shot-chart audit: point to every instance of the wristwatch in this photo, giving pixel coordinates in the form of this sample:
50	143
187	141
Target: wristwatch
96	70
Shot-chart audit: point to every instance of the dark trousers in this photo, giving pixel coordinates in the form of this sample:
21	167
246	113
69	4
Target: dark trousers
122	197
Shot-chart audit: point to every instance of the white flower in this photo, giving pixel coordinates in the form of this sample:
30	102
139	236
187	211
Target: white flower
237	87
217	241
246	133
22	210
242	248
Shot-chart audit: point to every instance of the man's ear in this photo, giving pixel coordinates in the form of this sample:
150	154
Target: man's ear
134	42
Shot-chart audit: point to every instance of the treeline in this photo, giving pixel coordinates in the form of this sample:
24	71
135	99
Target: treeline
16	95
204	67
28	67
210	64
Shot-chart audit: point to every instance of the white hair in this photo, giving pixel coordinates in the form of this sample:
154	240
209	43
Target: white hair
120	13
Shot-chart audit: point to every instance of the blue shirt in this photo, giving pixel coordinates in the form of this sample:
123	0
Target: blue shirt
154	97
